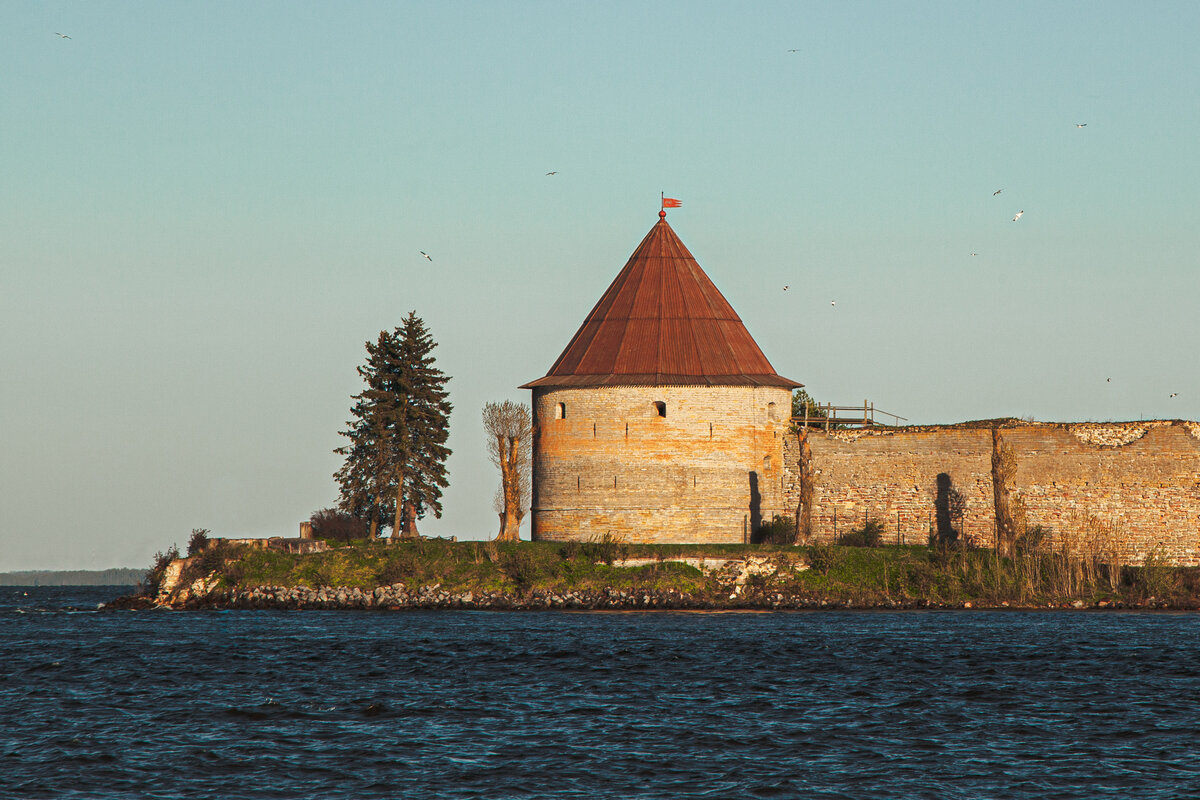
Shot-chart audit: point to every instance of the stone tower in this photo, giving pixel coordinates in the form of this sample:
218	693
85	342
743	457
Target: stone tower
662	420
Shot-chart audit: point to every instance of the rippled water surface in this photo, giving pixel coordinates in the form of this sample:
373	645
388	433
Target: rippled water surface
253	704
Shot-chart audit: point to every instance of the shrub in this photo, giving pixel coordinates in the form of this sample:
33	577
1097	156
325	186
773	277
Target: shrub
780	531
340	526
869	535
607	549
1155	578
520	565
198	542
823	557
1030	539
155	574
492	551
395	570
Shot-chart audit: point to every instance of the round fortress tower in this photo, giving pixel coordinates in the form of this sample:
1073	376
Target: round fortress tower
662	420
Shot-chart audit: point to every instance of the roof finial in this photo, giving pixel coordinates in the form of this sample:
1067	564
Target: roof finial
662	215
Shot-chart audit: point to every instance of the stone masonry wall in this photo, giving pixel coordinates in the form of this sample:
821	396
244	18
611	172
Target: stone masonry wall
1128	489
606	462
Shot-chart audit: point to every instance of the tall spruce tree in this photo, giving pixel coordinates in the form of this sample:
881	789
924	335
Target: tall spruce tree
395	466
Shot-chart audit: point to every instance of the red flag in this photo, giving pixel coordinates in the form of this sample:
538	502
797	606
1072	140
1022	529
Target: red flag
670	202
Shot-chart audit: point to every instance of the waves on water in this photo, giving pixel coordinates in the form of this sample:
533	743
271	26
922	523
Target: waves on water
594	705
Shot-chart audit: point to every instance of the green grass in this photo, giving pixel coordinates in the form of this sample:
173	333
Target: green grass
855	575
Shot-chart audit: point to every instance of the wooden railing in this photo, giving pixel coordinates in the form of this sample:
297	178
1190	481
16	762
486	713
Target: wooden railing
829	415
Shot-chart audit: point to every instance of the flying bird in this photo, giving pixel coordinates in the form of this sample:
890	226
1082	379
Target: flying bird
427	258
1080	124
1174	394
785	288
1018	216
793	51
552	173
61	35
1108	380
998	191
974	254
833	302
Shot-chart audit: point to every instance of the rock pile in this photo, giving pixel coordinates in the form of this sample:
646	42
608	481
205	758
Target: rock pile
398	596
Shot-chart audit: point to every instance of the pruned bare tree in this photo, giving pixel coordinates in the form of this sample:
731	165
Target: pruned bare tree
509	429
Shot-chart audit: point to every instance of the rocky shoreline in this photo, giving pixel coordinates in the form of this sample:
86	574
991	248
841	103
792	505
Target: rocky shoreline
399	597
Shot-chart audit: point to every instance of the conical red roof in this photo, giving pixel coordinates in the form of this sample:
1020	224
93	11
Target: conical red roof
662	322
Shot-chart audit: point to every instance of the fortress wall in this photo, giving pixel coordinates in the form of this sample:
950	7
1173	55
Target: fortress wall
1132	488
612	465
1127	488
892	478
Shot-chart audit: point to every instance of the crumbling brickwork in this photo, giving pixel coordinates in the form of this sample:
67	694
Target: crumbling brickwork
1137	483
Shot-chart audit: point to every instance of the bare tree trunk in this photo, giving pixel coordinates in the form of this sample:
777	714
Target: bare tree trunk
405	526
804	507
1004	468
510	518
410	521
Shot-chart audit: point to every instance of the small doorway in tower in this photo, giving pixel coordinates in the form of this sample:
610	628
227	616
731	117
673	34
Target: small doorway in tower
660	408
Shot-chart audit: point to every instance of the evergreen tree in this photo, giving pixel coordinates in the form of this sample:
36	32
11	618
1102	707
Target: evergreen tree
395	466
365	479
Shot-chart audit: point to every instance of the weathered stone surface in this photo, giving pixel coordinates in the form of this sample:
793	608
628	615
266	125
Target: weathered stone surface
1127	490
606	462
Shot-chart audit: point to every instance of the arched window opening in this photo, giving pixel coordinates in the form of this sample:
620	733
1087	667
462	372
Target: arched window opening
771	413
560	410
660	408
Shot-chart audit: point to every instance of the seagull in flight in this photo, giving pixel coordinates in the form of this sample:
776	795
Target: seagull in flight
794	51
833	302
974	254
61	35
555	172
785	287
998	191
1018	216
427	258
1080	124
1174	394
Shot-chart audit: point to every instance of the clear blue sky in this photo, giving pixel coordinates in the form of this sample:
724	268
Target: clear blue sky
207	208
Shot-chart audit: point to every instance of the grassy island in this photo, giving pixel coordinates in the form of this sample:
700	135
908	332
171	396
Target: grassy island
435	573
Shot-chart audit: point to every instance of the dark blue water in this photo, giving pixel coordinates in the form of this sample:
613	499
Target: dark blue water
256	704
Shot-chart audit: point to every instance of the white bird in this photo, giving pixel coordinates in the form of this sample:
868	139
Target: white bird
974	254
1080	124
1018	216
833	302
427	258
552	173
61	35
998	191
785	287
1108	380
1174	394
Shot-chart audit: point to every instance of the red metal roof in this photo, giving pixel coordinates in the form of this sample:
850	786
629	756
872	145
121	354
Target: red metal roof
662	322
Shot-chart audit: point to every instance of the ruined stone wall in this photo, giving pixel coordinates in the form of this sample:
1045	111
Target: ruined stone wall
1127	489
892	478
606	462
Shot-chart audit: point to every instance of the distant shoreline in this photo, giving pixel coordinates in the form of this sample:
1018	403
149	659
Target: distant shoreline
116	576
